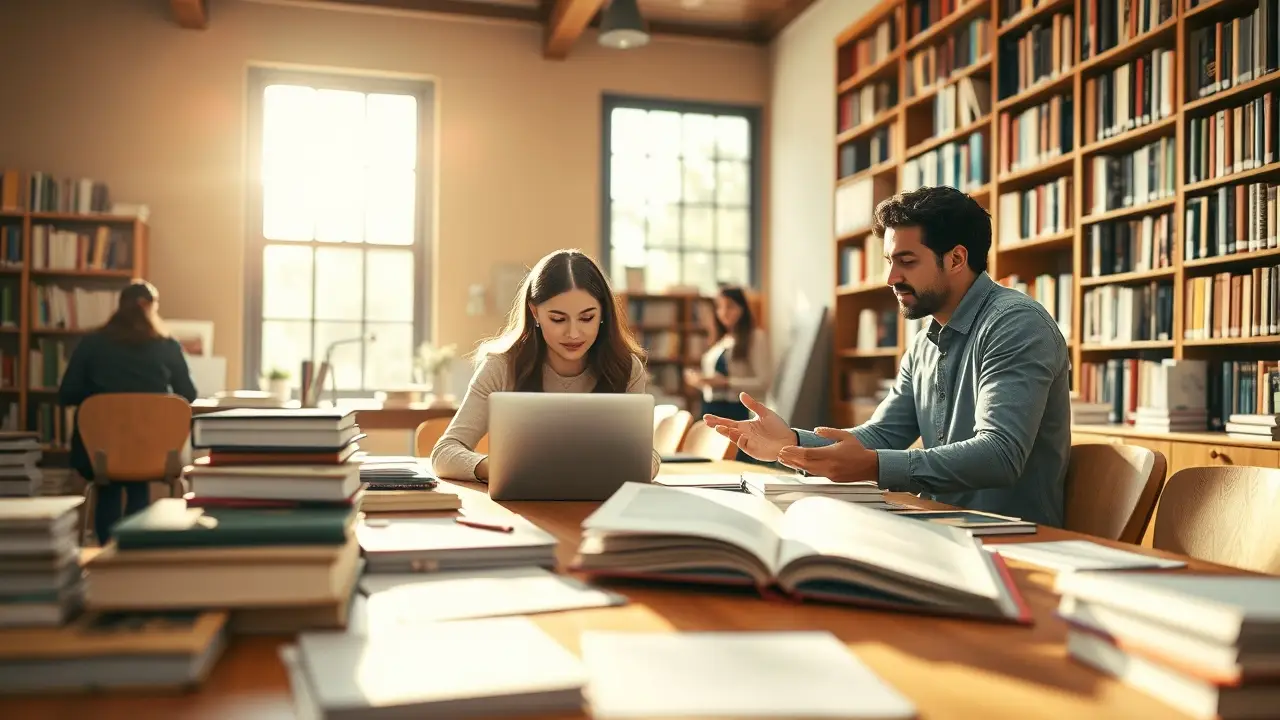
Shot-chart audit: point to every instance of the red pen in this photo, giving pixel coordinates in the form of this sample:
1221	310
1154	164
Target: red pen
484	525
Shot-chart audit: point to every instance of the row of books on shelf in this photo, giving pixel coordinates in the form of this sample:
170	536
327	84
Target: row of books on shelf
1230	220
59	307
860	106
1233	304
872	49
1117	314
1035	212
960	105
1041	53
855	204
1129	245
968	46
866	152
1106	24
653	311
1138	93
1144	175
1177	395
1234	50
860	265
877	329
1053	291
104	249
1036	135
42	192
660	344
961	164
924	14
1233	139
665	379
10	246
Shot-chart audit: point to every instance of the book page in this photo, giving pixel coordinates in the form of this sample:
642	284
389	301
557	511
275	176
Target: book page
936	554
748	522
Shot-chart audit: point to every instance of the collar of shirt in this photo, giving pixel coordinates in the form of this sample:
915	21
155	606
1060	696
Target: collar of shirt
967	311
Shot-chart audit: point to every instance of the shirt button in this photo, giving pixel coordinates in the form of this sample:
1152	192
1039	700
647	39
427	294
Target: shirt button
942	396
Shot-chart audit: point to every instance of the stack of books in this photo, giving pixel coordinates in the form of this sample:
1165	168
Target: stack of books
1089	413
1174	395
782	490
267	531
1208	645
19	455
395	483
1253	427
40	576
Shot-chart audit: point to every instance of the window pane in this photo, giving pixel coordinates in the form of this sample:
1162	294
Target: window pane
627	131
699	136
627	232
340	205
389	359
731	183
285	344
662	270
286	282
699	271
698	227
392	131
346	357
389	218
389	285
733	135
663	133
664	226
699	181
339	283
287	205
286	126
664	180
732	232
733	268
627	178
338	124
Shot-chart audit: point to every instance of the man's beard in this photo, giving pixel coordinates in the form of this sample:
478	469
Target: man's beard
927	302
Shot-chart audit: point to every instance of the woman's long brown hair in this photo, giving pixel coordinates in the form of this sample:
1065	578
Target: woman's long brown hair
742	329
131	323
521	343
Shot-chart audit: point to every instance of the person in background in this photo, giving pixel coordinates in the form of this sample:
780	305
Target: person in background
565	334
132	353
738	362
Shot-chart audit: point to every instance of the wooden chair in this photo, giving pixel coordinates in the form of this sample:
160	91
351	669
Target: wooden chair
1111	490
706	442
134	437
670	432
429	432
1225	515
662	412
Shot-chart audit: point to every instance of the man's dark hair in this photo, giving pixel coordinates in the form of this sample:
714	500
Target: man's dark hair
946	218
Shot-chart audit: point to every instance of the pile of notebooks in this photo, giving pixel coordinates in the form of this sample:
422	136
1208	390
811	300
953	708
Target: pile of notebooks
267	531
19	455
1208	645
396	483
40	576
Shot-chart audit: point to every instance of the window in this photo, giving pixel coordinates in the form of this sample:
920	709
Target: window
337	226
680	193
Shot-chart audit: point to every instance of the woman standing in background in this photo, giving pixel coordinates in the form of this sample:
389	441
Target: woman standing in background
738	361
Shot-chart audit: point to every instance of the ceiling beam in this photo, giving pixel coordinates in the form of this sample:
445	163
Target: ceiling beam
190	14
568	19
783	17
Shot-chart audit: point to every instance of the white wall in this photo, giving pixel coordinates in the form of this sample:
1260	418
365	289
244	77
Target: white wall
802	132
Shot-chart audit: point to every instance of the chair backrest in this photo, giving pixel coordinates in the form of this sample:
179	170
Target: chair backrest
135	436
670	432
429	432
706	442
1111	490
1225	515
661	412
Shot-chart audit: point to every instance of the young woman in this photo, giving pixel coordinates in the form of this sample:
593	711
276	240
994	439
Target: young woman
565	334
738	361
131	353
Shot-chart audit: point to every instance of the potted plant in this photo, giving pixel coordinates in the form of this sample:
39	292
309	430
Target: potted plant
278	384
431	365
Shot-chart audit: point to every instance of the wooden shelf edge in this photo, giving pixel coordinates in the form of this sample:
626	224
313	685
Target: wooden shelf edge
1221	96
877	122
1127	277
932	91
1168	26
1027	17
1232	341
1139	133
851	83
1047	168
982	123
1118	213
1209	438
962	13
1230	178
1232	259
1038	243
1133	346
1044	86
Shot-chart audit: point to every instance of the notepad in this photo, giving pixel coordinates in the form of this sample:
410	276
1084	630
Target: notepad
401	545
730	674
720	481
398	600
1071	555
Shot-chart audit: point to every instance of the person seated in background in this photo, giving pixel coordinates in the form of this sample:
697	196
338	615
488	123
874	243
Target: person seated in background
565	334
132	353
985	386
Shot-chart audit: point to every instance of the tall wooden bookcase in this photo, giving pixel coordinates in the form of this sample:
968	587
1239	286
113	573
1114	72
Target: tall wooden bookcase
22	331
907	122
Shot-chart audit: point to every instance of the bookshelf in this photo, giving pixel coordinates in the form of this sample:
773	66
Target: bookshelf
675	329
81	262
1129	166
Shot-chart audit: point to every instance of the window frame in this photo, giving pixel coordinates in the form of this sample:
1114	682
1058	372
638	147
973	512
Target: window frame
751	113
259	77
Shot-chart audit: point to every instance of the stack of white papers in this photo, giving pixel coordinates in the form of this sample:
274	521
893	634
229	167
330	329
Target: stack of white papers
1072	555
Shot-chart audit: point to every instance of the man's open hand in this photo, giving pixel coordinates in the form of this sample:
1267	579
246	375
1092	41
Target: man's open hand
760	437
845	461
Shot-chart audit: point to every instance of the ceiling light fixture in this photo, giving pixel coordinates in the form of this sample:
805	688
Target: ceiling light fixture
622	27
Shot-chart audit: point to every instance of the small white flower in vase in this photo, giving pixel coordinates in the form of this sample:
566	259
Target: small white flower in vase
432	367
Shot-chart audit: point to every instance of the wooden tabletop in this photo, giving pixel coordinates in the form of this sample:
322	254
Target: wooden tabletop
950	668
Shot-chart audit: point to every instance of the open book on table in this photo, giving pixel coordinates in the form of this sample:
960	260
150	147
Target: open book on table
819	548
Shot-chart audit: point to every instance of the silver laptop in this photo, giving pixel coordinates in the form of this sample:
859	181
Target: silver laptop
568	446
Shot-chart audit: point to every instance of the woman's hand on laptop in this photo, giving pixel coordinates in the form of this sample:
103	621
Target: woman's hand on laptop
760	437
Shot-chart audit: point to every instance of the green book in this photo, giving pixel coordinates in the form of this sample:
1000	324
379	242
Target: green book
168	524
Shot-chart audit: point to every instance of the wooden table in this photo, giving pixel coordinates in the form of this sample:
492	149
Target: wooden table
949	668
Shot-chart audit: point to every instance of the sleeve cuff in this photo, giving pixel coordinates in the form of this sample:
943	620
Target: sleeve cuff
809	439
895	470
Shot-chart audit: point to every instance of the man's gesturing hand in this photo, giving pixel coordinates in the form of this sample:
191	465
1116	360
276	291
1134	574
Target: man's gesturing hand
845	461
760	437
